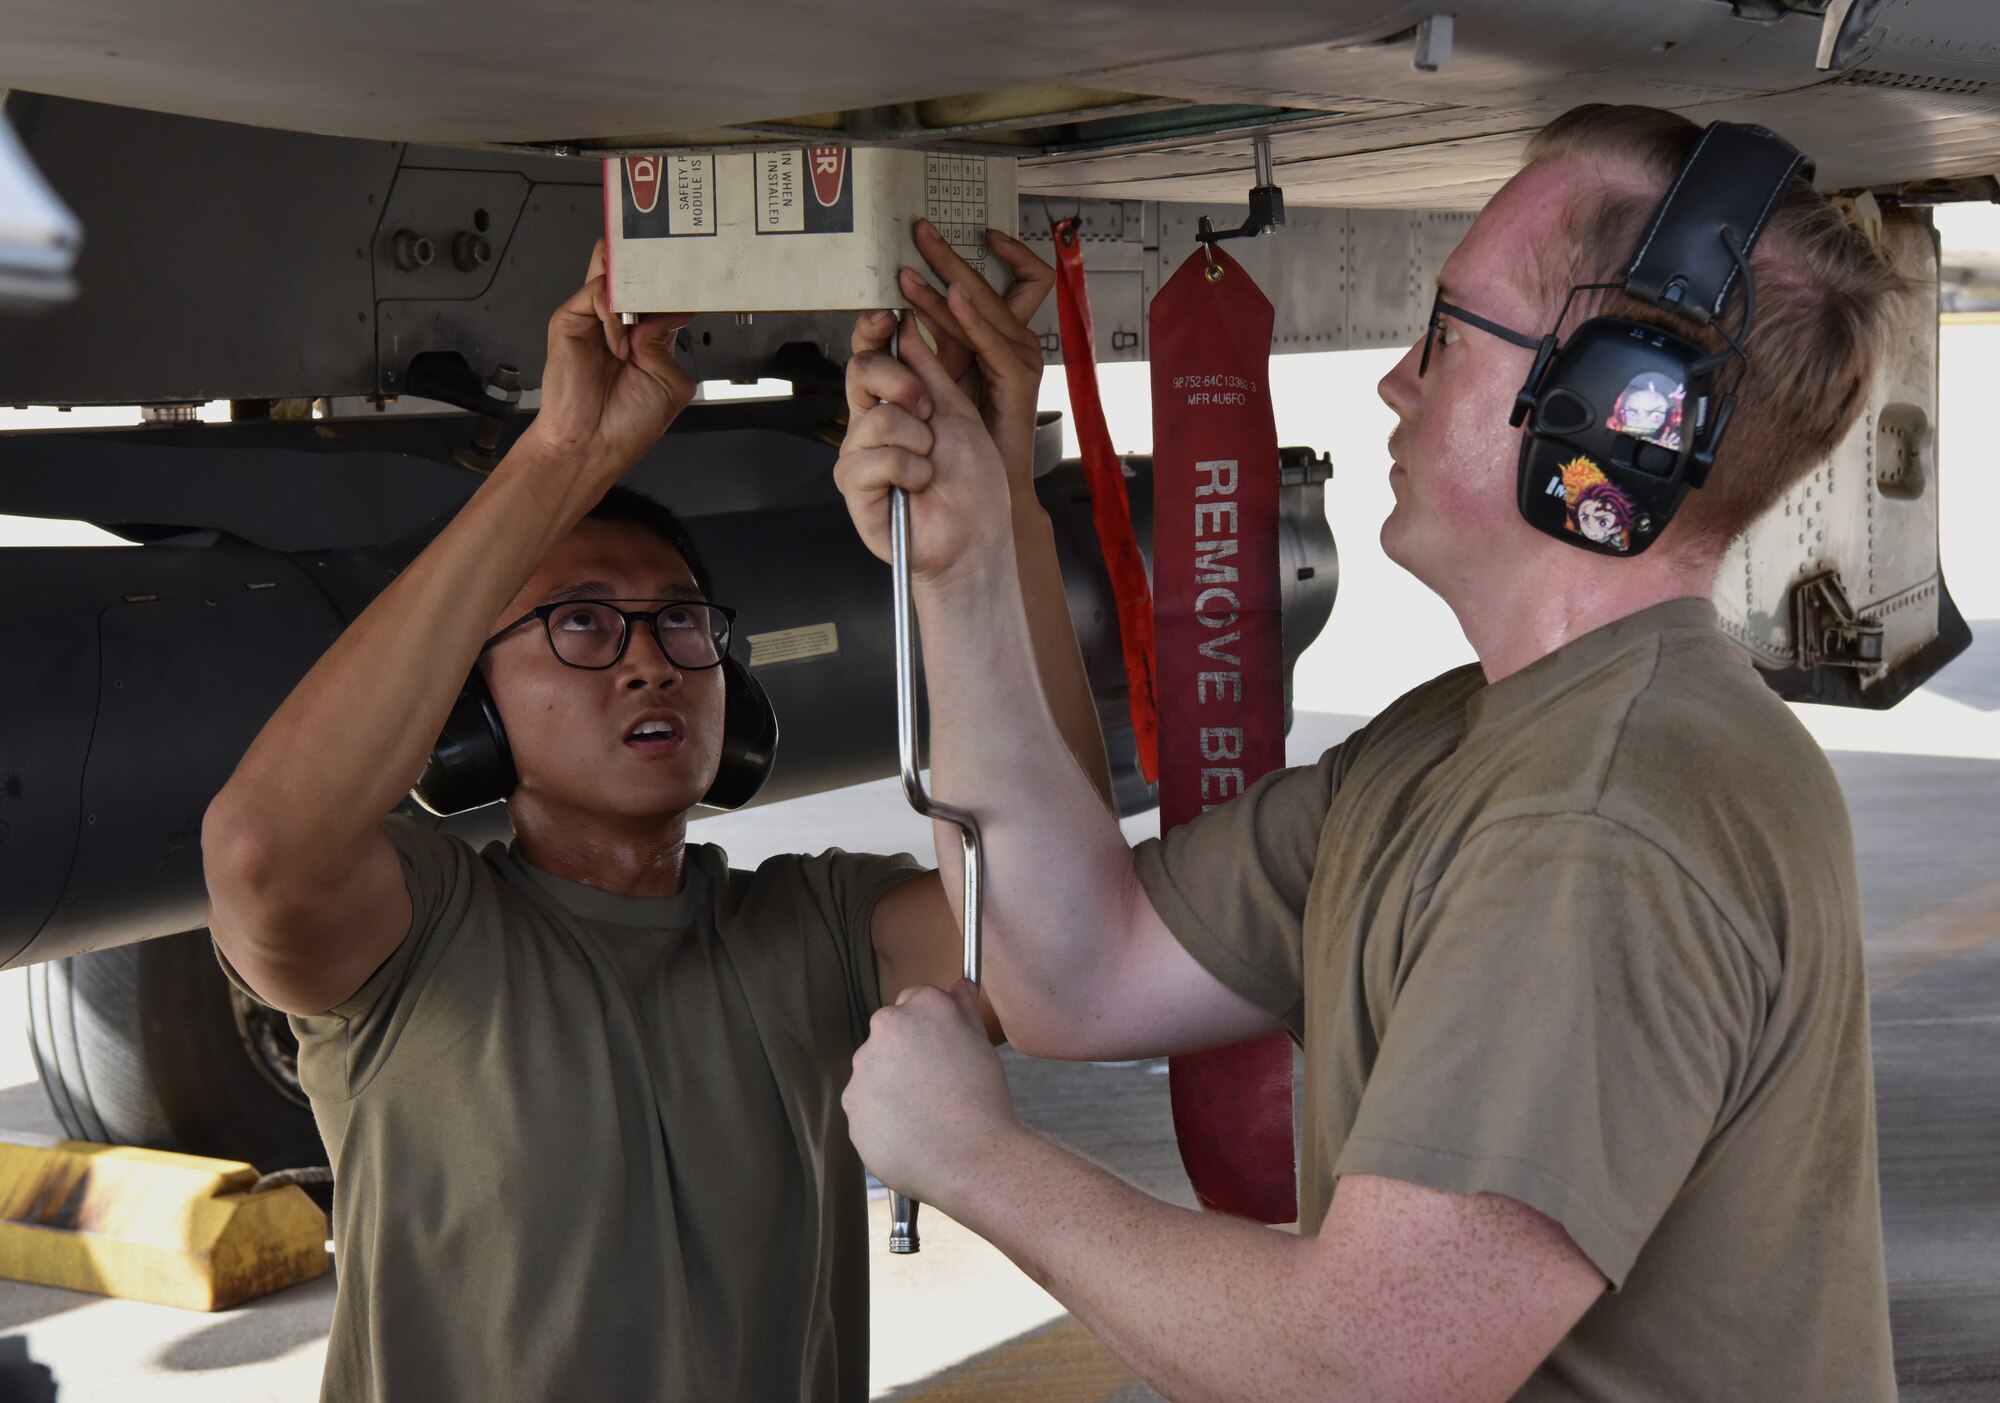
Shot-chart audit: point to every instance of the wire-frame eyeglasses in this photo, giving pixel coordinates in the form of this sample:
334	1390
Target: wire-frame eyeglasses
1441	309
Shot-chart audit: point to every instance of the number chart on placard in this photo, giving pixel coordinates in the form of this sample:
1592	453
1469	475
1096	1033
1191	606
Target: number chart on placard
955	201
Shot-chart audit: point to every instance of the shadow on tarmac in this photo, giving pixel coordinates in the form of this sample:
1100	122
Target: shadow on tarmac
1974	675
265	1329
25	1108
21	1304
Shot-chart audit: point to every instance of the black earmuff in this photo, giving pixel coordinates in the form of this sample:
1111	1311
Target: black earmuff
471	765
749	739
1625	418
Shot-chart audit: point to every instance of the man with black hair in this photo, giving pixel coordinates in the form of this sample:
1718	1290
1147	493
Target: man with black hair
580	1091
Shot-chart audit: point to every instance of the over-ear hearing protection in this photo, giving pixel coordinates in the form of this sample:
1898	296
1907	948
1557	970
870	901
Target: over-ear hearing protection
472	765
1625	417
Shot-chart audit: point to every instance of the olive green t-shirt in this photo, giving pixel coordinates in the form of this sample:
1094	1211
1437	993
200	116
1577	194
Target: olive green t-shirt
589	1146
1588	937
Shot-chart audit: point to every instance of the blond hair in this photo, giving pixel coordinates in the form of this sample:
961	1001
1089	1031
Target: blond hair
1825	302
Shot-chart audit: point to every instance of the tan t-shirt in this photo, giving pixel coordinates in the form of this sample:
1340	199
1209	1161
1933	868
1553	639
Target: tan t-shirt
1588	937
588	1146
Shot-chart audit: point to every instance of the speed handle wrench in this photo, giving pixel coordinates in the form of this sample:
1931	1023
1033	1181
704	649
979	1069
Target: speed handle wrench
902	1209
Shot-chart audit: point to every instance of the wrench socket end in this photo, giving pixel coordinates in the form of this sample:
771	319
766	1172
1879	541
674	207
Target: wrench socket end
903	1240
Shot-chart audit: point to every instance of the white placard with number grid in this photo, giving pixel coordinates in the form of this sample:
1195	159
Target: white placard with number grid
955	201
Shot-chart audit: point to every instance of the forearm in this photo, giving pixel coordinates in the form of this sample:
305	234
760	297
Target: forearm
1052	634
1202	1306
1059	873
354	734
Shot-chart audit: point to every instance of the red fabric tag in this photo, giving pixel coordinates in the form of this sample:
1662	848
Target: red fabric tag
1220	671
1110	508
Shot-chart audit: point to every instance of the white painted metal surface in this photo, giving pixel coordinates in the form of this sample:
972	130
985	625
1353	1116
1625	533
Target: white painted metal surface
793	228
1353	121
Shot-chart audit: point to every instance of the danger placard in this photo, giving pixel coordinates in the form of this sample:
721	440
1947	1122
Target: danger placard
829	173
804	191
669	197
642	174
691	195
702	229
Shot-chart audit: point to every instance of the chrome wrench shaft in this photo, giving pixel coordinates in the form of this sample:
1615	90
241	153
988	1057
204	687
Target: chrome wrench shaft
903	1210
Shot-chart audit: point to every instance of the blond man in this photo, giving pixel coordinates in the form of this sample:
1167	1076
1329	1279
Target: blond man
1570	938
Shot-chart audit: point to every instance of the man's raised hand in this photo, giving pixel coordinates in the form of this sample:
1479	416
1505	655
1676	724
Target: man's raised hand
982	338
610	390
910	426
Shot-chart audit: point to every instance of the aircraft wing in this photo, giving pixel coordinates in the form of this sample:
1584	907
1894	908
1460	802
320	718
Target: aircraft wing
1380	103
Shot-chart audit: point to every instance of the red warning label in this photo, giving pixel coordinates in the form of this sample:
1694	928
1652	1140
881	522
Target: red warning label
829	173
644	173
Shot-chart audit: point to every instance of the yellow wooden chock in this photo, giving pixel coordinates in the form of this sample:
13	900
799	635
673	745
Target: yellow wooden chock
146	1225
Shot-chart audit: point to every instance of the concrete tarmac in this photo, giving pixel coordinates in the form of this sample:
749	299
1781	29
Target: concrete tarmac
959	1322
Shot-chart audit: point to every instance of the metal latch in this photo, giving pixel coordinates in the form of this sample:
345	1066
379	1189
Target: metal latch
444	376
1827	631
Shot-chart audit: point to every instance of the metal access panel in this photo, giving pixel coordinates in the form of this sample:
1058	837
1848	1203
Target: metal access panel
1338	279
1118	269
233	262
508	242
1837	593
187	288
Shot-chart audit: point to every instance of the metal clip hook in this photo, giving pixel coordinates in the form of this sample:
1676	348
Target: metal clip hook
1267	208
1074	219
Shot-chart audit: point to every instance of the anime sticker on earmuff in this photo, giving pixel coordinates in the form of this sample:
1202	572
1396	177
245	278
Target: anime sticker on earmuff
1598	511
1649	408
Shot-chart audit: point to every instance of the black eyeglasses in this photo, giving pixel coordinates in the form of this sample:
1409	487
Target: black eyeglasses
592	633
1441	309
